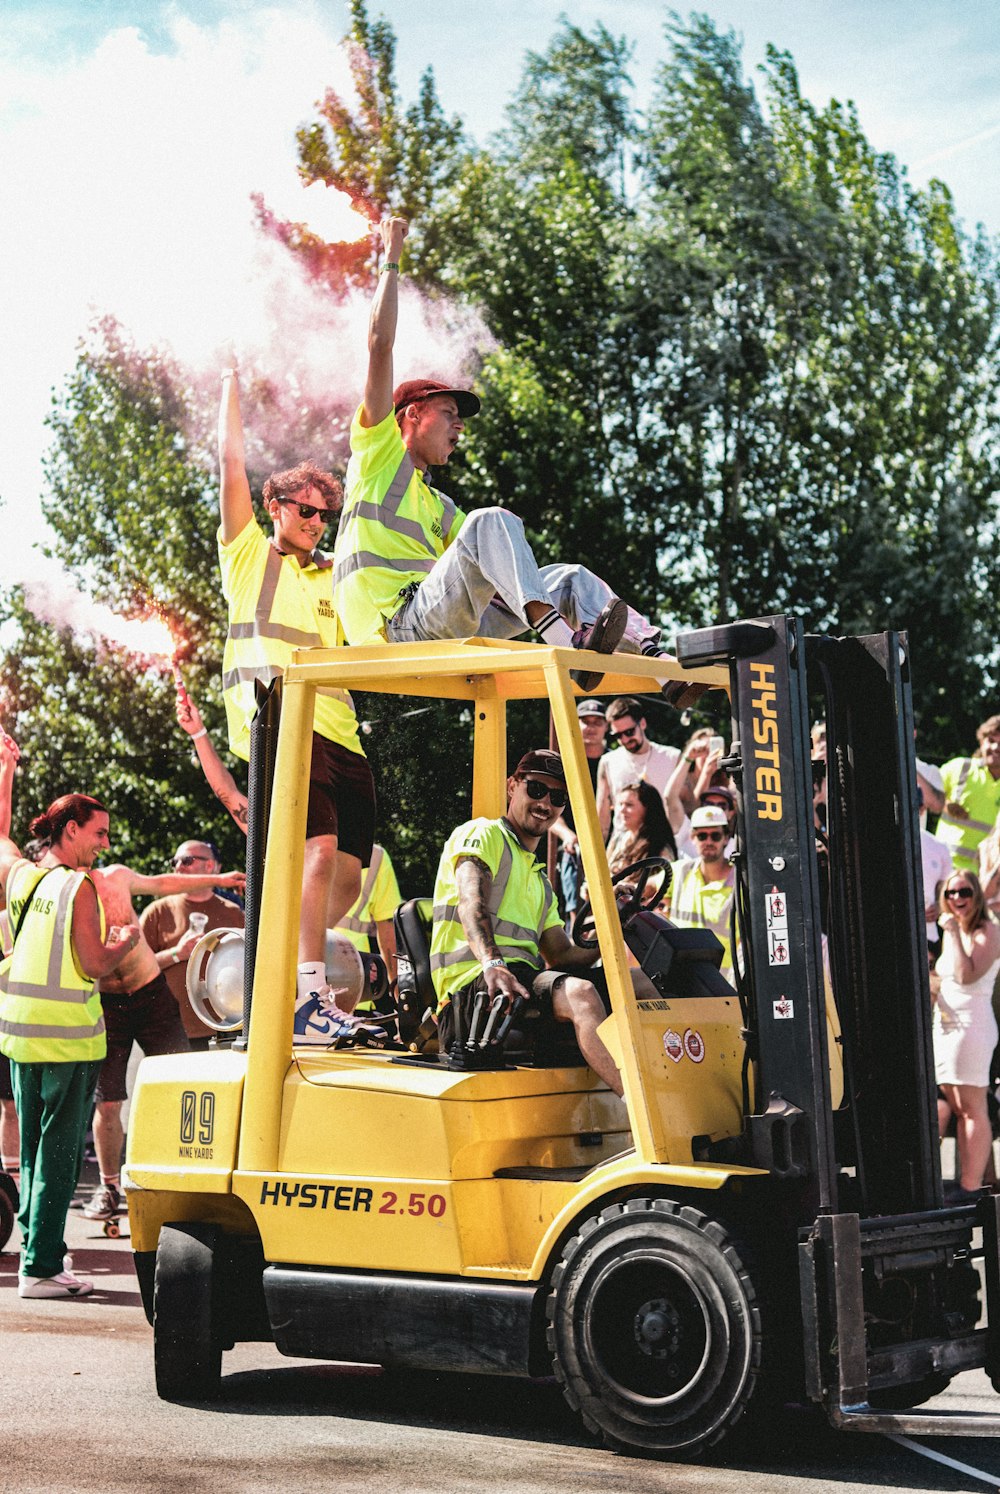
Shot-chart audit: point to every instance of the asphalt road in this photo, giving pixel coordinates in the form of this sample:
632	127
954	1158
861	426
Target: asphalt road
78	1412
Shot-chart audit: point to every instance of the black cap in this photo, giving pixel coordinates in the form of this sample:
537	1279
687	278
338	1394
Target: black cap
541	761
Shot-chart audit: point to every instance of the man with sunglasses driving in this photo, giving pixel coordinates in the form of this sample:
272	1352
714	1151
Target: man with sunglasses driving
701	892
280	596
497	930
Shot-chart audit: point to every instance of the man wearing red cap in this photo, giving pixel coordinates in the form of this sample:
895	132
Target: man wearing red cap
409	565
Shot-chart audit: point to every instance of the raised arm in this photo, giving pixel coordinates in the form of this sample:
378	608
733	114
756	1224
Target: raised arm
173	882
382	325
235	503
9	755
673	794
220	780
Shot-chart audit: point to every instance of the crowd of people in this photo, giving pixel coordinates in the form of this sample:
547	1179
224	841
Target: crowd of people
84	979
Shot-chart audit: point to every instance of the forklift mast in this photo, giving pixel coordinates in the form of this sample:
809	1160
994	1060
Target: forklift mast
889	1296
879	1154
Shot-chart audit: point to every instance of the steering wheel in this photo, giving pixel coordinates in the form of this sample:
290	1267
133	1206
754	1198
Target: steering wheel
584	932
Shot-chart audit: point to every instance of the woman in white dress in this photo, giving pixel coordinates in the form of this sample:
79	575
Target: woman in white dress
965	1029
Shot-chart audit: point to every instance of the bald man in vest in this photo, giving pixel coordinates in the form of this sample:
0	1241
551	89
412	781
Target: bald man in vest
51	1024
497	929
410	566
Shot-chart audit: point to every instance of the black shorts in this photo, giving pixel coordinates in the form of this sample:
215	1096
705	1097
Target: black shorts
341	798
456	1014
149	1017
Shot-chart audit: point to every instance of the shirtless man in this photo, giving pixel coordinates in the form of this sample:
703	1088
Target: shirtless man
138	1007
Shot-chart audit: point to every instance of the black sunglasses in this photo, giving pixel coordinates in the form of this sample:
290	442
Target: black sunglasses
958	892
709	835
628	731
558	797
307	510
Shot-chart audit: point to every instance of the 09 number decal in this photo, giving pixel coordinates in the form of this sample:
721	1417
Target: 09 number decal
197	1115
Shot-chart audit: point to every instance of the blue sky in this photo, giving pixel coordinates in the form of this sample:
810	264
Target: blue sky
131	135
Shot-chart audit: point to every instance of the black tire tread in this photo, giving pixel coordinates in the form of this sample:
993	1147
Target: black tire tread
727	1245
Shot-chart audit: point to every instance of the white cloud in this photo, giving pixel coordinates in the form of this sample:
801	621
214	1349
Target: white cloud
126	177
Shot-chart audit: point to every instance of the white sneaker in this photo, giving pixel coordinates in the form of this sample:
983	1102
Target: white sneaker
63	1285
320	1020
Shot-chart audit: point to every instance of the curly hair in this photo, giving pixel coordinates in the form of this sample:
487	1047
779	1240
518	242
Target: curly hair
305	475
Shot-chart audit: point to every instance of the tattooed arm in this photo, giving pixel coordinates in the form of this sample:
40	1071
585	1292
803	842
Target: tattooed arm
474	882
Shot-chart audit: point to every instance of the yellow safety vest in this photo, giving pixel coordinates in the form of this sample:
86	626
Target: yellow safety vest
50	1011
521	904
700	904
392	530
378	900
969	782
275	607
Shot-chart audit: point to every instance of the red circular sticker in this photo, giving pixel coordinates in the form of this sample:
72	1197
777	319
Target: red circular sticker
672	1045
693	1045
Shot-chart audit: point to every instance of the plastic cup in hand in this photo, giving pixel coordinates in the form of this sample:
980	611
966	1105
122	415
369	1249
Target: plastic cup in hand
197	924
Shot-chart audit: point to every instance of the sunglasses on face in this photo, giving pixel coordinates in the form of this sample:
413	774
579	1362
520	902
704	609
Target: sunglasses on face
709	835
558	797
189	860
959	892
308	510
626	731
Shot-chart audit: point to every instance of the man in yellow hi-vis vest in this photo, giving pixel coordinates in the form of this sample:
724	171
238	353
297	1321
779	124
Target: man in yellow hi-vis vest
972	797
280	596
51	1026
409	565
702	887
497	929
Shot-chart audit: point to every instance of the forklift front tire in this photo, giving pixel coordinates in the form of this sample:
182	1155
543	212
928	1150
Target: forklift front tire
654	1327
187	1347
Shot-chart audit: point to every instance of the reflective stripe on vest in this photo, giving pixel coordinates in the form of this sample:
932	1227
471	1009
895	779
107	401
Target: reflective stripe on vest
246	641
385	516
353	921
43	978
697	919
944	818
504	930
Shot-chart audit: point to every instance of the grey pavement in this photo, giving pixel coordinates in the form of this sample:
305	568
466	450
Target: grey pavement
80	1413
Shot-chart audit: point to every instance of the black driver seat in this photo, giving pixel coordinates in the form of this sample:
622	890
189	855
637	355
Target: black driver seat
534	1042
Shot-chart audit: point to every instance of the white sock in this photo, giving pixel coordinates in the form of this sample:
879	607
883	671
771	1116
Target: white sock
554	629
310	976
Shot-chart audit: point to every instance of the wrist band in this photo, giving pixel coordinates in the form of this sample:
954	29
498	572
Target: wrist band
176	958
493	964
390	264
196	734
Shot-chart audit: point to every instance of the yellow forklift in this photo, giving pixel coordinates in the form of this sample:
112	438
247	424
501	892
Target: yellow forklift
760	1219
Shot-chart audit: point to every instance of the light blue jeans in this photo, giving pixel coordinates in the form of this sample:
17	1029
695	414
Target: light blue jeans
482	584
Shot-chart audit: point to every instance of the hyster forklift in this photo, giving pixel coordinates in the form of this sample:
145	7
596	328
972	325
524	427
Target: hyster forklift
760	1220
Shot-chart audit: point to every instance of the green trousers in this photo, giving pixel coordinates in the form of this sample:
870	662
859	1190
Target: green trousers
53	1103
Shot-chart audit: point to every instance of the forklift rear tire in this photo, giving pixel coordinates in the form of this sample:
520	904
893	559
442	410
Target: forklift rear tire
187	1346
654	1327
